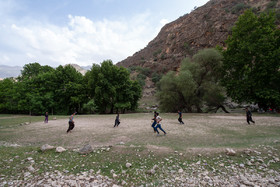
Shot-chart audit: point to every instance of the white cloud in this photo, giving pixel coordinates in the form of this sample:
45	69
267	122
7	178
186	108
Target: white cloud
82	41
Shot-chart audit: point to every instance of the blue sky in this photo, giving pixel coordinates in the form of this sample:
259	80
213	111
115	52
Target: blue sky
59	32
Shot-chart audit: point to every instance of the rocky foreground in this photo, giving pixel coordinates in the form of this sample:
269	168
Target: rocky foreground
251	167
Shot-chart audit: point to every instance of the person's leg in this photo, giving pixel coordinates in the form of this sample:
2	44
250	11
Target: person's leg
252	120
155	129
153	126
73	125
248	120
159	126
115	123
69	128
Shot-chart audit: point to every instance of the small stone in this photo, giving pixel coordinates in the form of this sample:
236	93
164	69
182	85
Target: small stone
230	152
155	167
60	149
151	172
128	165
31	169
115	175
86	149
180	170
46	147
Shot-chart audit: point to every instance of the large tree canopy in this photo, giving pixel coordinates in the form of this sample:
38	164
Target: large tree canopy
252	60
111	88
195	85
63	90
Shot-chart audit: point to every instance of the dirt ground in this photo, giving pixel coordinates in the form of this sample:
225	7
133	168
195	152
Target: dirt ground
200	131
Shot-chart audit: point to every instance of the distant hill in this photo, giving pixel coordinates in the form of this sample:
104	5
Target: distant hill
9	71
205	27
15	71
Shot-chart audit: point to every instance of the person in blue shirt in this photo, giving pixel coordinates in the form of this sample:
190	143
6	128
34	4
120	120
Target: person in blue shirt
180	119
155	121
71	122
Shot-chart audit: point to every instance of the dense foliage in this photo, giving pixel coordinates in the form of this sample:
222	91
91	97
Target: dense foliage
252	61
63	90
195	85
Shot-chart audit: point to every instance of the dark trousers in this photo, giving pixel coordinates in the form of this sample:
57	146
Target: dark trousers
249	118
180	120
153	125
117	122
159	126
71	126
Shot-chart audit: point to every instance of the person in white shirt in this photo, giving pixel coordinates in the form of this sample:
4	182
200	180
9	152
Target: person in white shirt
159	119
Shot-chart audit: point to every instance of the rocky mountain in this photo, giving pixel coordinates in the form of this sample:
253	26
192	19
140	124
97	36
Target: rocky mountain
205	27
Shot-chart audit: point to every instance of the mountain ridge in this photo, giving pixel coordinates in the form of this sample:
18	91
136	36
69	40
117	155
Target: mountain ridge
205	27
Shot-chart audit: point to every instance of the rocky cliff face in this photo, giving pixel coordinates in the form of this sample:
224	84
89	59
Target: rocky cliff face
205	27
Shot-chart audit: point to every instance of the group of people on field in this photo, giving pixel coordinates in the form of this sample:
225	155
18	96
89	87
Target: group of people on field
155	125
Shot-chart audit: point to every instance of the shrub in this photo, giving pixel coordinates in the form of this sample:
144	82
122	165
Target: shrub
239	7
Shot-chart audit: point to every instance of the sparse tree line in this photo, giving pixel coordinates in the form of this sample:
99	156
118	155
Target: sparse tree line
105	88
247	70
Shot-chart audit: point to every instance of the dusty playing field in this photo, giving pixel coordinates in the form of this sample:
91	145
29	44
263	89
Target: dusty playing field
200	131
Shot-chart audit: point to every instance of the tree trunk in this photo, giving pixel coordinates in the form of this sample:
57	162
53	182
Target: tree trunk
223	108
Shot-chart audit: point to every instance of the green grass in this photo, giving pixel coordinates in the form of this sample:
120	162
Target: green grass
14	160
206	135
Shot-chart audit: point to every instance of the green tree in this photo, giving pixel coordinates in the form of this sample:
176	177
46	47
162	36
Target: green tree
70	92
111	88
195	85
252	60
7	92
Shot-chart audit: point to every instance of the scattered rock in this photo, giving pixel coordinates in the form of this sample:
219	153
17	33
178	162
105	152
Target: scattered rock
180	170
230	152
60	149
151	172
86	149
46	147
128	165
31	169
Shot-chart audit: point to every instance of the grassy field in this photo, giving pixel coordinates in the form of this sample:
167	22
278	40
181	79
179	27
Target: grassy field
203	138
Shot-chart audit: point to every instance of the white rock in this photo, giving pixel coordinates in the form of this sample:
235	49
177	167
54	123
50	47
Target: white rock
115	175
180	170
230	152
60	149
155	167
46	147
128	165
31	169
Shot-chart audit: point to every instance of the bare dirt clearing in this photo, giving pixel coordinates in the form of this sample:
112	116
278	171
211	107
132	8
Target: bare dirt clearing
199	131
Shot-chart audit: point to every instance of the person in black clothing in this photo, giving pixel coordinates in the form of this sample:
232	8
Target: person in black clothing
180	119
46	117
155	121
249	116
71	122
117	121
